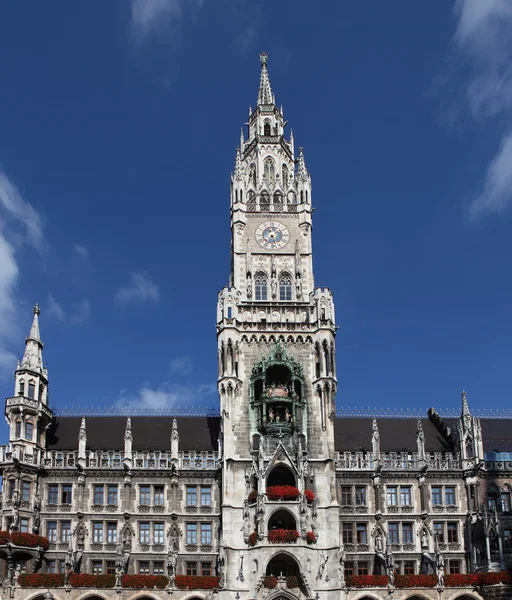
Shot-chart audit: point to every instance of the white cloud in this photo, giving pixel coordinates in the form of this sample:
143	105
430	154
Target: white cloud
484	43
81	251
142	289
152	16
166	397
76	314
182	365
20	224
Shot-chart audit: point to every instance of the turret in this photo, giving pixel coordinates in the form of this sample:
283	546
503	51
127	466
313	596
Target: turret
469	436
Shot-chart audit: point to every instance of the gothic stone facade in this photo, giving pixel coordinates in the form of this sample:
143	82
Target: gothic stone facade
189	495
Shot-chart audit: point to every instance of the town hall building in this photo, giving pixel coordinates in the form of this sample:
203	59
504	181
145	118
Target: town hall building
274	497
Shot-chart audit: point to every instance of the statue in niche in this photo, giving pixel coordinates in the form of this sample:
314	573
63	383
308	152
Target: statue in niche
37	514
341	566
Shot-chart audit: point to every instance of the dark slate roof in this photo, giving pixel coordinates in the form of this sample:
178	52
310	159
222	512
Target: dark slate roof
149	433
497	435
352	434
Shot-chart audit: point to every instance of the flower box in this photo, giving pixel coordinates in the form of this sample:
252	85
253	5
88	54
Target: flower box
41	580
310	538
292	582
197	582
282	492
27	540
310	495
283	536
413	581
86	580
139	582
270	582
360	581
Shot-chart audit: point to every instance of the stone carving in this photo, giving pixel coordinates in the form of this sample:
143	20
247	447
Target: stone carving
37	514
390	566
240	576
172	563
15	511
341	566
221	565
323	562
246	528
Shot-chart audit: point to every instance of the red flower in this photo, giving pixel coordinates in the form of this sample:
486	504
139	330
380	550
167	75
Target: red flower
253	538
462	579
144	581
252	496
310	495
29	540
85	580
283	536
310	538
292	582
359	581
270	582
495	578
197	582
40	580
283	492
412	581
4	537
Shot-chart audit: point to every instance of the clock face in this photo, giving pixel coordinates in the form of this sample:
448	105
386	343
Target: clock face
272	235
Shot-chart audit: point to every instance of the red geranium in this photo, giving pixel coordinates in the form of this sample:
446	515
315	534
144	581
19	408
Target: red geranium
292	582
197	582
495	578
253	538
282	492
270	582
139	582
310	538
310	495
29	540
283	536
85	580
413	581
4	537
360	581
462	579
40	580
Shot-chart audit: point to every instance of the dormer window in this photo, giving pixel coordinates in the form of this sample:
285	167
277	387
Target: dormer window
31	389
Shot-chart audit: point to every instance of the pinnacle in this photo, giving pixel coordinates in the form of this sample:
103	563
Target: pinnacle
265	95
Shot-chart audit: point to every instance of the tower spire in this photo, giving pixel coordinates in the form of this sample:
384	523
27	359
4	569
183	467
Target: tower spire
465	405
33	355
265	95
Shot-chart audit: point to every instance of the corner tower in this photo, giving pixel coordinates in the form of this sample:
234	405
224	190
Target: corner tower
277	373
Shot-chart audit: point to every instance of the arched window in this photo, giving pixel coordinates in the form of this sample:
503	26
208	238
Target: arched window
285	287
22	388
260	286
292	198
269	171
469	447
29	430
265	200
31	389
252	175
285	176
278	198
17	429
301	197
266	127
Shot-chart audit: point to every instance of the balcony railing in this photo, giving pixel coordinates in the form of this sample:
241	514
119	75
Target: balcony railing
396	461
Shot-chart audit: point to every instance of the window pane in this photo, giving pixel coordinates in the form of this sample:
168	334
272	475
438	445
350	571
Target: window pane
53	494
393	533
260	287
408	567
65	531
407	533
145	495
449	495
112	533
51	531
97	567
361	533
51	566
158	533
144	567
346	496
98	494
144	533
97	532
158	568
192	533
454	566
437	497
285	288
25	490
206	533
505	502
206	496
159	495
405	496
67	494
507	539
24	525
191	495
361	496
392	496
348	537
111	567
362	568
29	430
439	530
191	568
206	568
112	495
452	533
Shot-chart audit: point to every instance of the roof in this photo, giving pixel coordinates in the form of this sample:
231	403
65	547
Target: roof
149	433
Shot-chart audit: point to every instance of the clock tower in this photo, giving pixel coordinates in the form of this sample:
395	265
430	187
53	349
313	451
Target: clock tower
277	371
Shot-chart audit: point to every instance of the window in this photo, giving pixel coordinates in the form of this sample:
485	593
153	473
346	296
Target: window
409	567
285	288
505	501
22	388
393	533
348	536
407	533
158	533
362	568
437	496
31	389
159	495
111	567
158	567
12	487
507	540
266	128
67	494
65	531
145	495
25	490
206	534
361	533
98	494
191	568
112	532
285	176
346	496
349	569
260	287
360	496
191	495
112	495
97	567
192	533
51	531
143	567
439	530
29	431
144	533
453	566
391	496
97	532
405	496
206	496
51	566
449	496
53	494
206	568
24	525
269	174
453	537
17	430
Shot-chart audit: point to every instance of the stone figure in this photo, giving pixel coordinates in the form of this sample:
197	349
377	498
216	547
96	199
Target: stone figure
424	541
15	510
440	570
37	514
172	563
221	565
273	287
341	566
390	566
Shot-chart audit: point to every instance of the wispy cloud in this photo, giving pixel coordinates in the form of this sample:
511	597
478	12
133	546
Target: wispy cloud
81	251
142	289
20	224
167	396
153	16
484	44
181	365
76	314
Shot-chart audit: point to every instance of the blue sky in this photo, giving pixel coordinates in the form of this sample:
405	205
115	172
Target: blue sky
118	128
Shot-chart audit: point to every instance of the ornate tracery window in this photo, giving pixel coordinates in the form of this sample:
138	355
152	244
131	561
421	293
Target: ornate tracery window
269	171
285	287
260	286
285	176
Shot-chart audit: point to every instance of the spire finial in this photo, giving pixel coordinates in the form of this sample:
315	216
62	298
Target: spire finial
128	431
465	405
263	59
265	95
37	310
